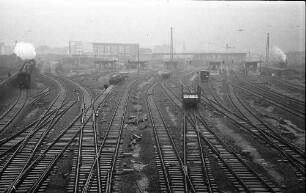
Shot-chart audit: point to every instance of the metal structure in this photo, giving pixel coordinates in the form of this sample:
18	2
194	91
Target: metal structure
171	46
267	50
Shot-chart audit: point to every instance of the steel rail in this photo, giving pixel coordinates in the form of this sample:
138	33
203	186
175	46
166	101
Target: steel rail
52	123
183	168
275	134
233	173
293	159
110	176
43	154
12	111
149	92
273	93
287	108
274	97
98	154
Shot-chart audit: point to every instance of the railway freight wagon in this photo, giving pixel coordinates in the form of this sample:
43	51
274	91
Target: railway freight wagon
25	73
191	97
204	76
166	75
281	72
116	78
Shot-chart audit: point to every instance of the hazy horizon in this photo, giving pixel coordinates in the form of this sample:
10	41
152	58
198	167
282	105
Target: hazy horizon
197	25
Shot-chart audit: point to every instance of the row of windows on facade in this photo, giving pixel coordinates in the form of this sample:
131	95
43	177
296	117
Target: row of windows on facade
107	49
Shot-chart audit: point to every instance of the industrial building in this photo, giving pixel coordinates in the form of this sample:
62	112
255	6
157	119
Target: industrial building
106	51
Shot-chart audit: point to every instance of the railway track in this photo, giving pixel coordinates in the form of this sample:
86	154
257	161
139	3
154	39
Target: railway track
171	171
8	116
27	154
270	93
290	151
11	142
8	144
40	95
86	97
289	104
261	130
67	140
196	161
4	81
243	176
288	85
27	147
211	96
104	171
35	177
86	150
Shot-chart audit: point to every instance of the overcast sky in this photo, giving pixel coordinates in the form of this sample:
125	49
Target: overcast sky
197	25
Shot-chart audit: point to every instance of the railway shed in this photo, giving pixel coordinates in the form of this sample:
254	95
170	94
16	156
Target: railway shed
253	66
216	67
171	64
134	64
110	64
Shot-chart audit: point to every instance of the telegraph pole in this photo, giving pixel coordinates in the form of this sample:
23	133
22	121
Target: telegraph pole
267	50
138	62
69	49
171	46
227	48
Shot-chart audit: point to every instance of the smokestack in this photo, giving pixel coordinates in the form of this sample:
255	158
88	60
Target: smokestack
267	49
69	49
171	46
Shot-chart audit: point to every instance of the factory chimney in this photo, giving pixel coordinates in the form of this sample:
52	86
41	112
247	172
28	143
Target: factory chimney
267	50
171	46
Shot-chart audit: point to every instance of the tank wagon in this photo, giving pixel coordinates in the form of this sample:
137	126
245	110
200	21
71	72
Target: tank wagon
117	78
166	75
25	73
204	75
191	97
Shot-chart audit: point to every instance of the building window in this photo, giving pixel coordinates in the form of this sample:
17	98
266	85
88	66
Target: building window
127	49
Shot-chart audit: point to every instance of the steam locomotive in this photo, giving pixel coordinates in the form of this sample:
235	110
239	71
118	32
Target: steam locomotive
25	72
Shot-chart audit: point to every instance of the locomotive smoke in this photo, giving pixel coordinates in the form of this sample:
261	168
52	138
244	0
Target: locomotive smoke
279	53
25	51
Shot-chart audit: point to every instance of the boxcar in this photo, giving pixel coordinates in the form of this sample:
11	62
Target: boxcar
166	75
204	76
116	78
191	97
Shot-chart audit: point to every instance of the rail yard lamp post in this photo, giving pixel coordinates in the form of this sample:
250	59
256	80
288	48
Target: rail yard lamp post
138	62
227	57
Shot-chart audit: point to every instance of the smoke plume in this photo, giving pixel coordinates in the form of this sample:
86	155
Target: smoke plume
25	51
279	54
